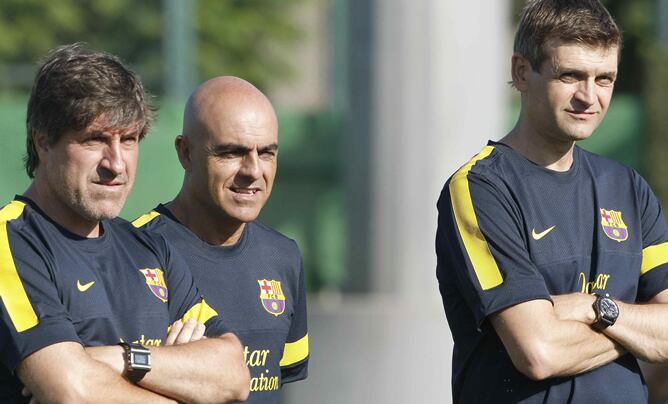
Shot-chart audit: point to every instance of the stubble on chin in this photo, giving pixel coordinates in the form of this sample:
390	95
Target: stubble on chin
94	206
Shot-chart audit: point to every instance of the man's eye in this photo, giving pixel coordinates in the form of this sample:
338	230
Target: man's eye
93	140
227	155
568	77
605	81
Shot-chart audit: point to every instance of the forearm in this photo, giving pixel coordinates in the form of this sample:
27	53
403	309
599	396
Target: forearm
210	370
64	373
542	345
643	330
575	348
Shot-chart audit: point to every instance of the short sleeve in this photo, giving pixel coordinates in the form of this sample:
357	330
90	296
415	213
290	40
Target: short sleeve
654	268
481	246
294	363
33	316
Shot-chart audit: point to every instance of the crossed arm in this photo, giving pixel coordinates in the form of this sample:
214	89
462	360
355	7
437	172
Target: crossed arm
64	373
543	345
643	329
546	340
189	368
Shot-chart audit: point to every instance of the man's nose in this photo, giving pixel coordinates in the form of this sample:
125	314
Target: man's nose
586	93
113	160
250	165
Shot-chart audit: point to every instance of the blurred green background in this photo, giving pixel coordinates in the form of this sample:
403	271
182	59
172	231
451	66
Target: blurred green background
251	39
324	143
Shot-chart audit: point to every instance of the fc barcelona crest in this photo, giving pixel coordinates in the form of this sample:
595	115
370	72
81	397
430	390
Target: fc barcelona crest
271	296
156	282
613	225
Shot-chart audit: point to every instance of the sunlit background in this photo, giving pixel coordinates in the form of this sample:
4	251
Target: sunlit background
379	102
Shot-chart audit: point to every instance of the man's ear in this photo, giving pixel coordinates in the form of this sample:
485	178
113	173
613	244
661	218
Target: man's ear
41	142
182	145
520	69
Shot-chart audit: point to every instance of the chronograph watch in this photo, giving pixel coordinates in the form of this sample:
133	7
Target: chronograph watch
606	311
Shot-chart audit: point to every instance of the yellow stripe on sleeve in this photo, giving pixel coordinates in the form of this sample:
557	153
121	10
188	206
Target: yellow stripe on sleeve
201	312
653	256
485	266
12	292
295	352
145	218
11	211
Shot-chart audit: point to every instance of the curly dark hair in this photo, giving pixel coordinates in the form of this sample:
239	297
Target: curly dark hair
585	22
74	86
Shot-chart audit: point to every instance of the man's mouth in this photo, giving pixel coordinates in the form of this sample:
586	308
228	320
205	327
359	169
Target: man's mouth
245	191
581	114
109	183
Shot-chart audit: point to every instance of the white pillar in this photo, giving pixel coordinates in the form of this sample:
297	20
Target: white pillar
440	94
441	68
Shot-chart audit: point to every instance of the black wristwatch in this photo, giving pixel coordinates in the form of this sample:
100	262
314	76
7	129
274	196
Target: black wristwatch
606	311
137	361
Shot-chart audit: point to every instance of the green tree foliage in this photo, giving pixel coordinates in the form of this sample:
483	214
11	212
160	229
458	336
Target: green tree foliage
245	38
241	37
130	29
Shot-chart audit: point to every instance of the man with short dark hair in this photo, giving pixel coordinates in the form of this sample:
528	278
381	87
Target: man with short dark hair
87	299
249	272
553	261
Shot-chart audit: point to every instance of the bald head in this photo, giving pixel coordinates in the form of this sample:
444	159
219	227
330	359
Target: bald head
221	102
229	150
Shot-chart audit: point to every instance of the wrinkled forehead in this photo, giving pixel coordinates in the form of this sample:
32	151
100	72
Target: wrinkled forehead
110	124
560	55
102	126
245	122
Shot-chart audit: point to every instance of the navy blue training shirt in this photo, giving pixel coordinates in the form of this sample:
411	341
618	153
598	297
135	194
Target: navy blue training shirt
511	231
257	286
56	286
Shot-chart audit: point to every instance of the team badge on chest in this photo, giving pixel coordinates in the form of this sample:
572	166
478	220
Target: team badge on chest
613	225
271	296
156	282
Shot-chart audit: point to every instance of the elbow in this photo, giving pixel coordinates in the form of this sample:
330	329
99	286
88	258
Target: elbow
66	395
536	371
72	388
655	355
243	386
237	382
537	363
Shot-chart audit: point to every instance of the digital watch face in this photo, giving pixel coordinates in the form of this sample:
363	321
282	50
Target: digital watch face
140	361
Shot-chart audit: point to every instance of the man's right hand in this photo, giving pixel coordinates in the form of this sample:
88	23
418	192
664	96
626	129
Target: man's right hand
181	333
575	307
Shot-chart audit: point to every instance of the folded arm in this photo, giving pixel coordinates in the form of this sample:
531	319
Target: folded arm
63	372
192	369
643	328
542	345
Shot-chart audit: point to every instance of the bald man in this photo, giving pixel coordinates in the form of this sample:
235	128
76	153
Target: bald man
252	274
